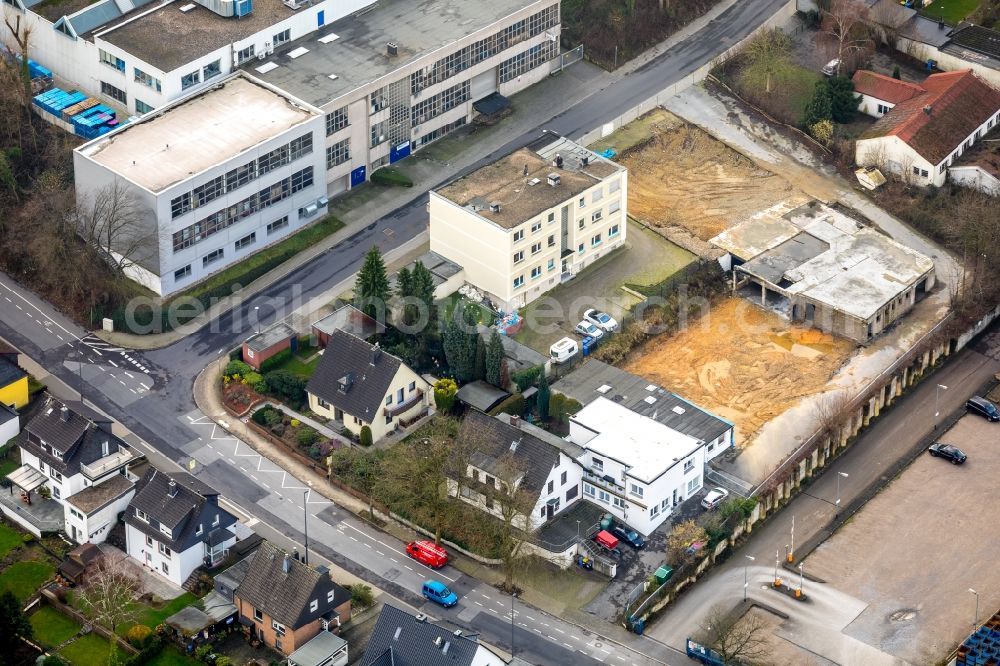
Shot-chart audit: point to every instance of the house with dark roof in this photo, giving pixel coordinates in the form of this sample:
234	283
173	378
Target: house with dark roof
286	603
13	380
356	384
921	136
402	639
508	452
174	525
74	474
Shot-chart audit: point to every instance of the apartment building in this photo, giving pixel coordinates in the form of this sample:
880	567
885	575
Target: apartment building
519	226
214	178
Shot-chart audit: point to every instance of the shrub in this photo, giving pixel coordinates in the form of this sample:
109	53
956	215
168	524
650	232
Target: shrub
236	368
361	595
512	405
276	360
295	423
267	416
390	176
203	651
306	436
139	636
253	379
444	394
365	436
223	660
278	429
527	377
286	385
822	132
146	654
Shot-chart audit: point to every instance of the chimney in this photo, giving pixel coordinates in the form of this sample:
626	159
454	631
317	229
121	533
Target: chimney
495	207
585	160
927	109
438	641
558	161
553	179
376	354
286	564
172	489
515	420
392	49
64	414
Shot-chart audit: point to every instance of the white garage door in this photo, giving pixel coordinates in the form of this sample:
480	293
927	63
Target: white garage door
483	84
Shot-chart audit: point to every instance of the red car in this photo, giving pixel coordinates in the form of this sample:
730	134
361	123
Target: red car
427	552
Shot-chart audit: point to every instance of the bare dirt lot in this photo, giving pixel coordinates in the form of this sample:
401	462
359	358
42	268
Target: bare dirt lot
741	362
914	551
680	177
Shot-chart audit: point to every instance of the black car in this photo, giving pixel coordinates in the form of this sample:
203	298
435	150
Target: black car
631	537
983	407
948	452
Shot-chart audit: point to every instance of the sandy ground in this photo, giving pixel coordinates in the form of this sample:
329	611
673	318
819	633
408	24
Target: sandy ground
683	177
914	551
741	362
780	651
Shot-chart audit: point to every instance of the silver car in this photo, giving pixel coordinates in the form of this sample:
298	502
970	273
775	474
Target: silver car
586	328
601	320
714	498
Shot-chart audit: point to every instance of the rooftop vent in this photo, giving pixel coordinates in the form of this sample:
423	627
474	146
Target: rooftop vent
64	414
395	636
438	641
515	420
447	645
534	181
458	633
651	387
927	109
603	388
585	160
421	617
345	383
513	445
172	489
392	49
553	179
188	7
495	207
332	37
286	564
649	400
677	409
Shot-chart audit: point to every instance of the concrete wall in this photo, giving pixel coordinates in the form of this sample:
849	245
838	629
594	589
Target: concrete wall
945	61
976	178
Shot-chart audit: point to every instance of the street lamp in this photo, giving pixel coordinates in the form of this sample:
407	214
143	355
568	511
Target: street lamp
745	570
975	618
840	474
798	592
578	530
777	557
937	392
256	318
305	523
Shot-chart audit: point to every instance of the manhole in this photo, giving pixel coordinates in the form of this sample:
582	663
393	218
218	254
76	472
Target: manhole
904	615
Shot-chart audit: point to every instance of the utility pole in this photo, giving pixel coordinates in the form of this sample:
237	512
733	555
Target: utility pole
746	583
305	522
791	548
511	625
937	392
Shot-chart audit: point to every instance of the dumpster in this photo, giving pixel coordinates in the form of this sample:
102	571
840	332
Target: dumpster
607	521
663	574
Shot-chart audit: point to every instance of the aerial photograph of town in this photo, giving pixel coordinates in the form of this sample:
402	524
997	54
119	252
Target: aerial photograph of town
499	332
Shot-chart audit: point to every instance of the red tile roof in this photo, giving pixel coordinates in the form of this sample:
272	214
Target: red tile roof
937	121
884	87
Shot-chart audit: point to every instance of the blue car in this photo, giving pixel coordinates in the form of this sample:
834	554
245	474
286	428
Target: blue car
439	593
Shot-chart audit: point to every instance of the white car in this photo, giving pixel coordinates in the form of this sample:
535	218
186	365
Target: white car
601	320
586	328
714	498
831	67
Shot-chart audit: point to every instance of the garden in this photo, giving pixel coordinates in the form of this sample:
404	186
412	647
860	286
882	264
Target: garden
25	565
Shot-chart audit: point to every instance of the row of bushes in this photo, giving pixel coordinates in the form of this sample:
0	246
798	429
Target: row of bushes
283	384
309	439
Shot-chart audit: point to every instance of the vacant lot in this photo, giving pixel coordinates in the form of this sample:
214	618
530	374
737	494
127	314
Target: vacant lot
683	179
741	362
914	551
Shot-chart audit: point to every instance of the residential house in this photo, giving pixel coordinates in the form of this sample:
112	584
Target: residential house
357	384
71	453
286	603
402	639
324	649
174	525
879	92
521	225
920	137
10	423
508	452
13	380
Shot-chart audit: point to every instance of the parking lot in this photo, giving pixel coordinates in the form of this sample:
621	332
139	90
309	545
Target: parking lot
916	549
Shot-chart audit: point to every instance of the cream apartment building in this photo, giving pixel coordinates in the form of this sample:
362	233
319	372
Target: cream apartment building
521	225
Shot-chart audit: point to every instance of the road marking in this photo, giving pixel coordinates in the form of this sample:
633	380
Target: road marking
568	645
408	567
537	630
122	383
111	362
353	539
144	386
605	650
380	553
61	338
559	630
128	374
266	486
620	658
251	476
530	618
368	545
134	391
18	307
479	604
492	611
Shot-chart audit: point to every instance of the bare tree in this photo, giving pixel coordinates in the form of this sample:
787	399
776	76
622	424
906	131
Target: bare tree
832	410
737	639
114	220
22	37
513	503
845	24
768	56
681	536
108	598
885	20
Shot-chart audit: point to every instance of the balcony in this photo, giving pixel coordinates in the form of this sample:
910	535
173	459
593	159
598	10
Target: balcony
605	481
41	516
406	406
109	463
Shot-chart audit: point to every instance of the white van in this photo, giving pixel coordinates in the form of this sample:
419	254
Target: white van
563	350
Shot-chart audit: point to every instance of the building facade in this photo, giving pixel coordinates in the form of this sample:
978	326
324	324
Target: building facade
13	380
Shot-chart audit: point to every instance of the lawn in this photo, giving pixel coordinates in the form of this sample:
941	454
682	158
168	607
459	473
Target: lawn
9	540
151	617
89	650
446	309
951	11
52	628
297	365
788	99
8	465
24	578
172	656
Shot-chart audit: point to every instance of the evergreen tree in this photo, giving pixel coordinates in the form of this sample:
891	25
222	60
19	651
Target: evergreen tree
494	360
371	290
480	362
895	73
542	397
15	624
820	107
423	288
459	351
843	101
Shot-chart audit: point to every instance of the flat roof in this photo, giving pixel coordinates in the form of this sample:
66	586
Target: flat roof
358	55
168	38
270	336
195	133
984	154
646	446
351	320
94	497
519	183
763	231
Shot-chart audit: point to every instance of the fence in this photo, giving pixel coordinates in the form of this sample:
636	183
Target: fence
569	57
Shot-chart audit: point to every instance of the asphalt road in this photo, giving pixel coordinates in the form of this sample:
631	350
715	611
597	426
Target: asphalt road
151	392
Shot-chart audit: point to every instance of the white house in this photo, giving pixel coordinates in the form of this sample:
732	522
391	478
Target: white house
879	92
635	467
920	137
72	454
174	525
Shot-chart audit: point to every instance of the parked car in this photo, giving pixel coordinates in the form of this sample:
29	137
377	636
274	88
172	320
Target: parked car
608	543
601	320
427	552
585	328
983	407
631	537
714	498
563	350
439	593
830	68
951	453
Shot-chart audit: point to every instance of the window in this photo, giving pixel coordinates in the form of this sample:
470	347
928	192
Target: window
55	475
282	37
536	272
613	231
595	241
518	282
580	249
111	60
923	173
694	484
551	486
56	492
581	223
314	604
272	160
182	273
142	107
149	541
519	256
614	206
180	205
663	505
614	185
618	502
258	615
338	153
536	226
536	248
597	195
212	257
519	235
329	597
215	521
400	396
190	79
437	104
552	264
147	80
240	176
244	54
164	550
942	168
490	481
882	109
412	387
552	218
552	241
277	225
654	511
210	191
114	93
302	179
527	60
562	480
246	241
300	146
597	464
688	465
165	568
582	202
596	215
141	515
589	490
379	133
636	489
336	120
200	530
603	496
211	70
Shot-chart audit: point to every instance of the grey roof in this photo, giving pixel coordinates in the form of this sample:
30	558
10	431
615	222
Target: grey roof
70	429
316	651
367	372
350	320
495	441
271	336
93	498
441	269
632	391
774	263
94	16
286	595
400	639
227	581
7	414
975	44
10	372
481	395
358	56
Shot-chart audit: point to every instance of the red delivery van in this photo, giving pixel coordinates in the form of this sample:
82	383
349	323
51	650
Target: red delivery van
607	540
428	553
